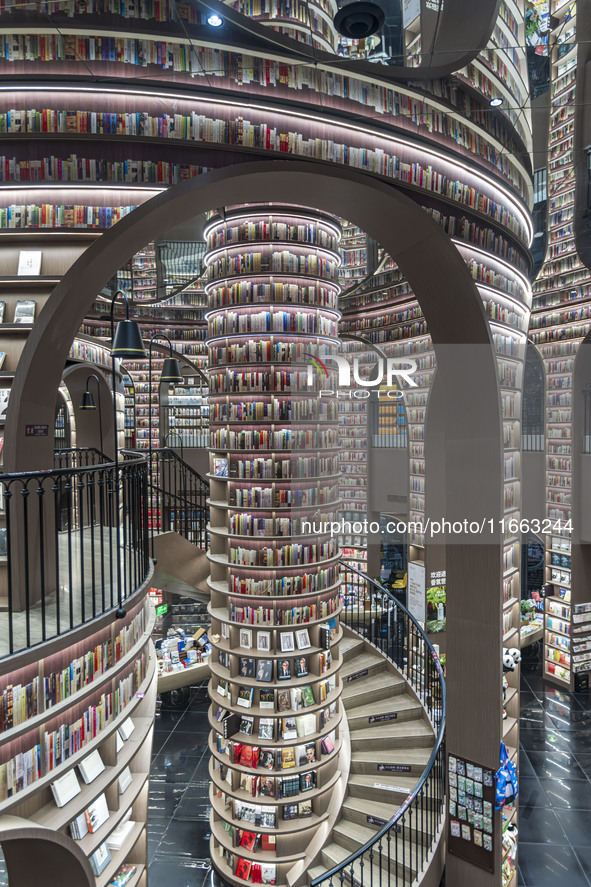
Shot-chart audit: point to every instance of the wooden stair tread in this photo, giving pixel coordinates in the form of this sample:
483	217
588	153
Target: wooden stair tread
405	702
380	683
359	663
392	729
412	757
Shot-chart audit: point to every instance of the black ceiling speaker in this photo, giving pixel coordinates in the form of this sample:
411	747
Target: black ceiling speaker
359	20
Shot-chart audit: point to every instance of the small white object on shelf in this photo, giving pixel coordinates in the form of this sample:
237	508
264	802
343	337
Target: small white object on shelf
126	729
91	767
124	780
117	837
65	788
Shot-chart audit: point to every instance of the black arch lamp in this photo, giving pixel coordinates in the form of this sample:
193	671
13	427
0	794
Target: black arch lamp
126	342
87	403
171	372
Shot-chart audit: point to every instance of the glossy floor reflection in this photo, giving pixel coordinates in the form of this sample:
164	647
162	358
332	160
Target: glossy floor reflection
178	819
554	785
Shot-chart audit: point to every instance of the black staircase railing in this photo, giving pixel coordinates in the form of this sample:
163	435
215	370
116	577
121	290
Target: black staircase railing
178	500
74	544
401	848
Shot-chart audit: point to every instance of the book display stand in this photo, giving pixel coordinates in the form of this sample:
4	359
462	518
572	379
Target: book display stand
275	689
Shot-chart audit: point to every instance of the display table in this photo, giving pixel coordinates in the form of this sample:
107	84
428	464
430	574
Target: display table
531	637
174	680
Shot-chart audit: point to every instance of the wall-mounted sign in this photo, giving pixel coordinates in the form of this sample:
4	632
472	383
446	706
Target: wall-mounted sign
416	590
36	430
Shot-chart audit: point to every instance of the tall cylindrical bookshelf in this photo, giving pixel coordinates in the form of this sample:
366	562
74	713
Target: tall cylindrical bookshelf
272	289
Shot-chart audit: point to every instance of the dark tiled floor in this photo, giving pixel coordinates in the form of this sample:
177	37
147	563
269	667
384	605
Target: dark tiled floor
554	786
555	792
178	822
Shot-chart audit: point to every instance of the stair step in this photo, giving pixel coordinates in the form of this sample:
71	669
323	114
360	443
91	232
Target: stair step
381	787
409	760
381	685
357	810
351	647
409	734
405	708
365	664
366	874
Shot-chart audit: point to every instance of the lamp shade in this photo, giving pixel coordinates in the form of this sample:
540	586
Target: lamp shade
87	402
171	371
127	341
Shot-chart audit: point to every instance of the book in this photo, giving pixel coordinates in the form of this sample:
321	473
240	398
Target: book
287	757
245	637
264	640
246	667
118	836
246	725
268	817
306	754
91	767
296	698
307	781
222	687
283	700
100	859
266	728
305	724
124	874
264	670
284	669
125	780
79	827
2	353
302	638
118	742
327	745
301	667
267	786
268	843
220	467
287	642
65	788
290	811
126	729
245	695
267	758
97	814
243	869
307	696
4	398
267	699
248	840
24	311
29	262
2	310
304	809
268	873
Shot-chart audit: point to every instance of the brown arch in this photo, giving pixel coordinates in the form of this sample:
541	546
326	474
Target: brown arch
435	270
38	855
471	444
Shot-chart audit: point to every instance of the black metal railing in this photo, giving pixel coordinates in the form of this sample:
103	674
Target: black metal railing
400	849
75	544
78	457
178	498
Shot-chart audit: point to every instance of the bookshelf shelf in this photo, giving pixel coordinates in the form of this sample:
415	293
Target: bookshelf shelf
259	374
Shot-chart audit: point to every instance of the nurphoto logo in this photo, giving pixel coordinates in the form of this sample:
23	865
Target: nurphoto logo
393	373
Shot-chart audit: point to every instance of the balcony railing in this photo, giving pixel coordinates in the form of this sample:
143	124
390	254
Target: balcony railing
75	544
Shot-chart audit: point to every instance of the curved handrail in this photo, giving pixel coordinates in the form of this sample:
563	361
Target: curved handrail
437	749
74	544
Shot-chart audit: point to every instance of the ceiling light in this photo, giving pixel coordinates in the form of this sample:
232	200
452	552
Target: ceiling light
494	103
215	20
